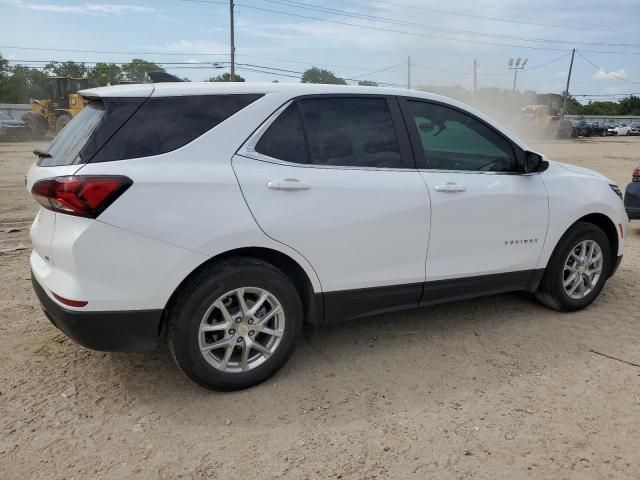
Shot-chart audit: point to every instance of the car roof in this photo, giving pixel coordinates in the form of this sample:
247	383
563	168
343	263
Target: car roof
171	89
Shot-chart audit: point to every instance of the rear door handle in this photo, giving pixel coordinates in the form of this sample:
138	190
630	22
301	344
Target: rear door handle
450	187
288	184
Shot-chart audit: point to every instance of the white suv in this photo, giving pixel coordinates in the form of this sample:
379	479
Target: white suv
221	217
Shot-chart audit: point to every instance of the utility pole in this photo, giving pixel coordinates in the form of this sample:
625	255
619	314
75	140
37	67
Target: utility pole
475	76
515	66
233	44
566	90
409	72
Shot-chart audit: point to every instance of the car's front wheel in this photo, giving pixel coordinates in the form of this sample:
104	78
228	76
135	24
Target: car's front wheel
234	324
577	270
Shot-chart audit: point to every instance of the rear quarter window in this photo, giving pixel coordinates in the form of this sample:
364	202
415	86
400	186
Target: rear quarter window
164	124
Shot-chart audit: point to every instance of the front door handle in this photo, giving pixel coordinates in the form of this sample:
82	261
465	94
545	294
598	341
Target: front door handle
288	184
449	187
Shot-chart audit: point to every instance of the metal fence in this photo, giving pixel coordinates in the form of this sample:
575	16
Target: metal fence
15	110
607	119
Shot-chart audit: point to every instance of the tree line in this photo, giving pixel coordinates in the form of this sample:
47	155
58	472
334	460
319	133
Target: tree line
19	84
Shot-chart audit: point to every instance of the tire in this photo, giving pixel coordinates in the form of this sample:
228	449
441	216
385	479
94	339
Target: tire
196	298
62	121
551	291
35	122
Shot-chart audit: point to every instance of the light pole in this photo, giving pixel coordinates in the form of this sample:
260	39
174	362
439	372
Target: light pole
515	65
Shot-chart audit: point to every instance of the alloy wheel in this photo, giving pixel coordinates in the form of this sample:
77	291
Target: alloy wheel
582	269
241	329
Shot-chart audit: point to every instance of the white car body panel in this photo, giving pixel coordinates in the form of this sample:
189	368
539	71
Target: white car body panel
497	224
362	228
565	207
359	228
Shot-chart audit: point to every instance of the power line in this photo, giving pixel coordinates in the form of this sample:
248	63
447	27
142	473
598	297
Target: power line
505	20
284	60
378	71
370	27
334	11
611	74
108	52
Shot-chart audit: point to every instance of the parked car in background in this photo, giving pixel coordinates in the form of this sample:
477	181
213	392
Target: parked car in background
635	129
12	129
582	128
220	217
632	196
598	130
620	129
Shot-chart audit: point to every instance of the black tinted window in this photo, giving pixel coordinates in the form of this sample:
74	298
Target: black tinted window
453	140
66	146
284	139
164	124
354	132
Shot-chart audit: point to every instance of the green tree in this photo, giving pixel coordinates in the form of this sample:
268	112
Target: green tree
367	83
599	108
19	84
137	69
66	69
319	75
104	74
629	106
226	77
573	106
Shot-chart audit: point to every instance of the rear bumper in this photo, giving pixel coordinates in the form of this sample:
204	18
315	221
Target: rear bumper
124	331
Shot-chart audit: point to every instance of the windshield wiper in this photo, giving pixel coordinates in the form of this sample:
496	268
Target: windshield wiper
41	154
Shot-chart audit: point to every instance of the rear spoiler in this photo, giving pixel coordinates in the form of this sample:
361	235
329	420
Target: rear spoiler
158	77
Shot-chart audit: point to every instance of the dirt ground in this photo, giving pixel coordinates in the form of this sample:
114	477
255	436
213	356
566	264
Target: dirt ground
498	387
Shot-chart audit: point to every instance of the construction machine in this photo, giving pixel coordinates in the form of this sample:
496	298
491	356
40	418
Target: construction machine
545	122
53	113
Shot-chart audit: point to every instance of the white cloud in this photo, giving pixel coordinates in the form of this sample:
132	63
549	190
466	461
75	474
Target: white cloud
196	46
602	75
86	8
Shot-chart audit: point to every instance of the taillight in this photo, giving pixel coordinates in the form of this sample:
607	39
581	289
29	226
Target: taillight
83	196
636	174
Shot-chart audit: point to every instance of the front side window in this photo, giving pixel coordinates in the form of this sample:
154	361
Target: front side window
454	140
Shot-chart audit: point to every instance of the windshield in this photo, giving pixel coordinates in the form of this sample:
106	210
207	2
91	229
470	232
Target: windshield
4	116
65	148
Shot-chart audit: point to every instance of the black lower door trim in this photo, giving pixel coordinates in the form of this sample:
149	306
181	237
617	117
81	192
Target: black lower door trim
470	287
349	304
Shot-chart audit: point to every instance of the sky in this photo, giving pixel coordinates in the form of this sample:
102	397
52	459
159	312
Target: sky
442	39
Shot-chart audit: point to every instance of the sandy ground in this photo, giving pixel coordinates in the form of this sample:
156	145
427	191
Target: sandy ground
498	387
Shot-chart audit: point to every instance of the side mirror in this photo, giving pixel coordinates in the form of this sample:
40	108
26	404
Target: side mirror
534	163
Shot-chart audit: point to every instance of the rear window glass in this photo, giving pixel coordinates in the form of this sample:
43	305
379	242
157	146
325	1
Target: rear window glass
164	124
66	147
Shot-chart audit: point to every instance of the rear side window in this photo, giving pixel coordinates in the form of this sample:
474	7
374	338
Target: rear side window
66	146
164	124
352	132
284	139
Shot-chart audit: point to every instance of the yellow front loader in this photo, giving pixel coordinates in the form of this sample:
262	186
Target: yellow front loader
54	112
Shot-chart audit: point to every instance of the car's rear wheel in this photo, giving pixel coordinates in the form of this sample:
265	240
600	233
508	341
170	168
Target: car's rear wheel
234	324
577	270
